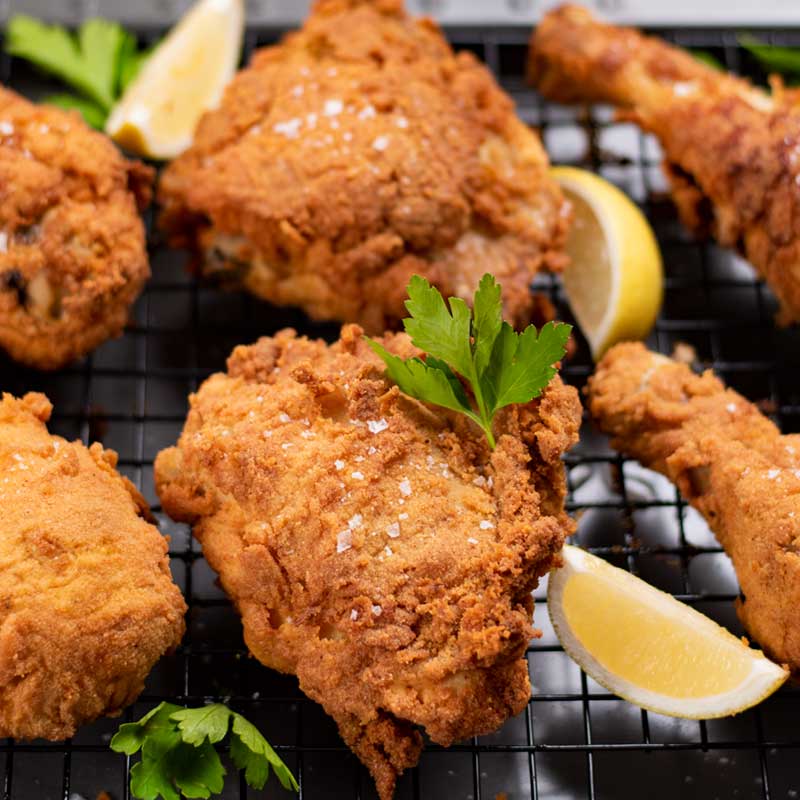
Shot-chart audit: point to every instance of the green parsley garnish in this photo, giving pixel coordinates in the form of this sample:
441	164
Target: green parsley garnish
783	60
500	366
178	754
98	62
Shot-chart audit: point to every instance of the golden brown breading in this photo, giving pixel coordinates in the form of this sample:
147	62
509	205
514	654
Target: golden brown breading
359	151
730	462
731	150
72	245
374	546
87	604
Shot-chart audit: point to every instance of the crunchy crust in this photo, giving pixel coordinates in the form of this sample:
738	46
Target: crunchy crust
87	603
730	149
359	151
72	249
730	462
344	519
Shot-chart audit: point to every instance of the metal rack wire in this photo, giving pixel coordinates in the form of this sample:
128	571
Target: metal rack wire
574	740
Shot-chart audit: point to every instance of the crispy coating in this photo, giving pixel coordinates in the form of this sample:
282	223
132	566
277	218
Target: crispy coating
87	604
359	151
374	546
730	462
72	245
731	150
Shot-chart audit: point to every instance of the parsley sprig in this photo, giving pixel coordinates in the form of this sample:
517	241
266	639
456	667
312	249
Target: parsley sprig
98	61
500	366
178	754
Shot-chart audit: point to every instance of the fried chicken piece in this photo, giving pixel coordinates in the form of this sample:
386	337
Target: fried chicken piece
87	604
731	150
72	245
374	546
358	152
730	462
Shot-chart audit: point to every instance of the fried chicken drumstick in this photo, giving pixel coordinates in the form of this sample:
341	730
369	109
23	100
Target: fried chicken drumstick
730	462
374	546
72	247
358	152
731	150
87	603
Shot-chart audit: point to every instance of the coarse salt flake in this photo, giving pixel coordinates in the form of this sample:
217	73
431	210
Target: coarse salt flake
402	516
377	610
472	540
731	407
344	541
405	487
485	525
332	108
773	473
366	113
284	417
380	143
377	425
355	521
358	476
6	128
290	129
353	615
372	451
393	530
3	242
286	445
479	481
339	464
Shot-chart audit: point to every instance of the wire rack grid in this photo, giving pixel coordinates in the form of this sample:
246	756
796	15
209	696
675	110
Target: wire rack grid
574	739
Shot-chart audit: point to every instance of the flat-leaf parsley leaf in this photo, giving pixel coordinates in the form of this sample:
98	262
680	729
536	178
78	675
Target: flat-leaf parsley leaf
500	366
178	754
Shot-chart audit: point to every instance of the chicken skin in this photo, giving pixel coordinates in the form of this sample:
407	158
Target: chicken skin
731	150
72	244
730	462
374	546
358	152
87	604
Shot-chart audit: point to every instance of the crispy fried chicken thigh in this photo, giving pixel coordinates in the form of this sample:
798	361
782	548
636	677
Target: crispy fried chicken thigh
730	462
374	546
357	152
731	150
72	247
87	603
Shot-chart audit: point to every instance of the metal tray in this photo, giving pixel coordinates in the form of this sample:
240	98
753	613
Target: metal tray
574	740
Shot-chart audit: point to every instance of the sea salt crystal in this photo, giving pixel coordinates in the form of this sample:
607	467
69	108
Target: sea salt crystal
307	434
479	481
6	128
773	473
284	417
297	91
377	610
353	615
344	541
372	451
358	476
393	530
380	143
401	122
731	407
402	516
377	425
485	525
472	540
286	445
388	550
3	242
332	108
405	487
290	129
368	112
339	464
355	521
358	459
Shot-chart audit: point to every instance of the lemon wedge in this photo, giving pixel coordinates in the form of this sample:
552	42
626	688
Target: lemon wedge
645	646
185	76
614	281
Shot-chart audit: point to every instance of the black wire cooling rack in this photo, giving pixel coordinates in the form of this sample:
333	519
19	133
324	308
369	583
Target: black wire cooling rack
574	740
